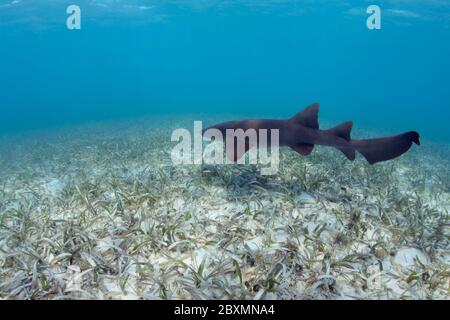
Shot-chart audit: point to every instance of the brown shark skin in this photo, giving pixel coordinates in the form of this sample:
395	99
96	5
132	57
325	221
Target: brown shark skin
302	133
289	133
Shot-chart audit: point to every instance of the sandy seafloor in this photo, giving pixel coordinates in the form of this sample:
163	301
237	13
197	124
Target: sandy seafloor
98	211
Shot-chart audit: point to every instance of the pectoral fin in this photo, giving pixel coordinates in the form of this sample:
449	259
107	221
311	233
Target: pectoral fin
304	149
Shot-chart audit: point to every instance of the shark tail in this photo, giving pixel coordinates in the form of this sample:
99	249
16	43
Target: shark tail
383	149
373	150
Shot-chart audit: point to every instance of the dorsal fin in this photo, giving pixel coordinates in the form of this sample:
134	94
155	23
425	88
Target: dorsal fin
343	130
308	117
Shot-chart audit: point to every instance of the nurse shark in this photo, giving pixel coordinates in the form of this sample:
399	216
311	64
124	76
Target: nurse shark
302	134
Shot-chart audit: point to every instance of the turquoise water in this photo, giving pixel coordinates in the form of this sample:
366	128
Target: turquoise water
269	58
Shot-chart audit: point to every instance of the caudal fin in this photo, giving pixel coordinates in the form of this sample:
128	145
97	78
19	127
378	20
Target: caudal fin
374	150
382	149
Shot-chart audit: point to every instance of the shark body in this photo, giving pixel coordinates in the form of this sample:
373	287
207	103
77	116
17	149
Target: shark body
302	133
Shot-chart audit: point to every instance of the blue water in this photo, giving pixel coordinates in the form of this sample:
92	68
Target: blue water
263	57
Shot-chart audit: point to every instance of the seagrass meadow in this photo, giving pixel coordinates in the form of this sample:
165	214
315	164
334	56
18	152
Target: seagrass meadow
98	211
92	205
